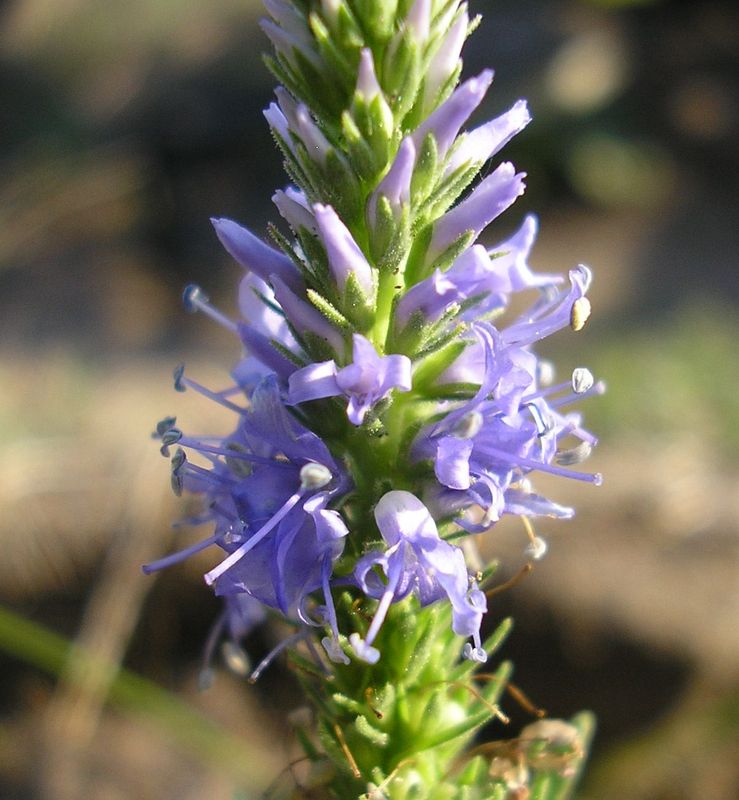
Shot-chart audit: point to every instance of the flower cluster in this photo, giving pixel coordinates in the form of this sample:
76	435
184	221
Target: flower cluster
389	403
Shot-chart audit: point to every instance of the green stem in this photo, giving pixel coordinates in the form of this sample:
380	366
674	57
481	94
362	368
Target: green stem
386	291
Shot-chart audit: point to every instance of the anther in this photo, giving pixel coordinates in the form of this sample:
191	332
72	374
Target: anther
169	437
576	455
177	375
235	659
579	313
179	459
537	548
194	299
545	373
468	426
314	476
164	425
239	466
582	380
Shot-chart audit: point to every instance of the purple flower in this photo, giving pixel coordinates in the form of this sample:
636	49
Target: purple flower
368	379
280	127
491	198
253	254
488	275
417	560
396	185
510	260
367	84
484	142
553	313
419	20
344	256
431	297
265	325
446	121
267	491
295	210
484	450
305	318
291	35
316	144
446	58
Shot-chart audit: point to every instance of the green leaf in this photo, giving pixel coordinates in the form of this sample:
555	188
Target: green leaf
356	305
368	731
332	314
414	269
400	73
429	368
445	259
383	229
378	18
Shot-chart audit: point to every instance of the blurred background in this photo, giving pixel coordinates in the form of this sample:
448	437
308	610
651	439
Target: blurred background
123	128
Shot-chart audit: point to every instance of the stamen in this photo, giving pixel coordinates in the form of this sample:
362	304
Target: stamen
510	583
530	463
582	380
270	657
253	541
206	675
347	752
537	546
209	476
331	643
597	389
181	383
180	555
368	692
232	454
194	299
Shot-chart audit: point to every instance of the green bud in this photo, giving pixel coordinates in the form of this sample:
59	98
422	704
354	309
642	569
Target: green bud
378	18
425	172
332	314
368	731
